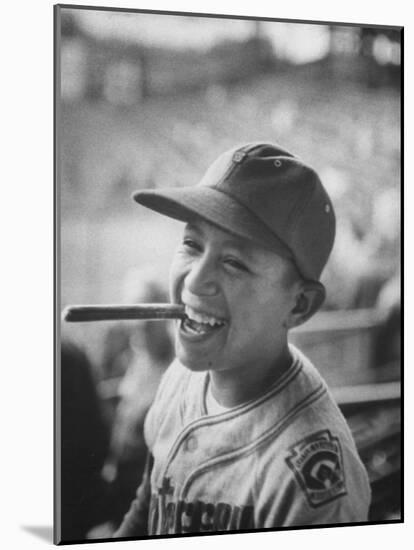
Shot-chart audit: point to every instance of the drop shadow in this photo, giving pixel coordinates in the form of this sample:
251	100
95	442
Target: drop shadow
40	531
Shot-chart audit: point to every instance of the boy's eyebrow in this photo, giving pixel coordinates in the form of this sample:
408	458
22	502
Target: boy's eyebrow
233	241
192	227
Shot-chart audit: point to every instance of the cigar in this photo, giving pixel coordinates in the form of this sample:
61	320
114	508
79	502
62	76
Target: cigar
149	312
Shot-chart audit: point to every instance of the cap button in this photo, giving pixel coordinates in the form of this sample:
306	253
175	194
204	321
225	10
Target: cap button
238	156
277	163
327	208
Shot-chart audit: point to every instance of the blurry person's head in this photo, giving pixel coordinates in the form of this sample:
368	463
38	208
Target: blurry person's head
259	229
143	285
386	215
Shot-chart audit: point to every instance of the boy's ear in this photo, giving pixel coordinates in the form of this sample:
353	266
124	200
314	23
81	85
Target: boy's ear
308	300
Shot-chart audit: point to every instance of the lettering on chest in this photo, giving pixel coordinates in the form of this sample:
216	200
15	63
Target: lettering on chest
173	516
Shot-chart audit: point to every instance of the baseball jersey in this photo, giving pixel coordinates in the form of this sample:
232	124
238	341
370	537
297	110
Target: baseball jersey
286	458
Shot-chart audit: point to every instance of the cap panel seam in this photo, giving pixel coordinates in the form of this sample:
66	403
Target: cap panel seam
299	208
227	173
233	166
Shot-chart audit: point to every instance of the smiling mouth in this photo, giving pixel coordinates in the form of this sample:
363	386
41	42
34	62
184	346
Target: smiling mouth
198	323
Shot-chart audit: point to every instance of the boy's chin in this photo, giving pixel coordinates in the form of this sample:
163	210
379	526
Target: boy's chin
195	364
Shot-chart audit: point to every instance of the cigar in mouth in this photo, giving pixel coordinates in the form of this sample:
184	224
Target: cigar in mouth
148	312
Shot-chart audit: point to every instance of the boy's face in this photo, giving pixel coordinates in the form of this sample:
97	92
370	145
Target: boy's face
237	297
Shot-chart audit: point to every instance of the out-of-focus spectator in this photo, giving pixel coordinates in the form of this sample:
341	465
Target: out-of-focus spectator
84	446
116	352
349	264
381	248
149	353
361	261
388	344
386	225
140	285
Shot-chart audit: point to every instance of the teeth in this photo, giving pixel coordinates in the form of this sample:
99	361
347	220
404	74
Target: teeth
201	317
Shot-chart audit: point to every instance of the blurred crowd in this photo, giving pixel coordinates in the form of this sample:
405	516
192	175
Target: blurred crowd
103	449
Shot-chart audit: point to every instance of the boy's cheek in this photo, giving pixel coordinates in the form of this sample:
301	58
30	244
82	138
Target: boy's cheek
179	268
174	281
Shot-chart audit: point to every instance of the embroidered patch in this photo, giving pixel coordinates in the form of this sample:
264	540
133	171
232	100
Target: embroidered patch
317	464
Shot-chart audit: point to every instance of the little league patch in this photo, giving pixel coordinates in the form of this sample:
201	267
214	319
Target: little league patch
317	464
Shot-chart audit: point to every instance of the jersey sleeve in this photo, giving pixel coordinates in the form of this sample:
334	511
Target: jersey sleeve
319	480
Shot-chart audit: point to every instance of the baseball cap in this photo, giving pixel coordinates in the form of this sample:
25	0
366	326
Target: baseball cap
261	192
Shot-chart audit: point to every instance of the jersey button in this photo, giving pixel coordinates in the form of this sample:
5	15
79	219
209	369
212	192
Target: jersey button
191	444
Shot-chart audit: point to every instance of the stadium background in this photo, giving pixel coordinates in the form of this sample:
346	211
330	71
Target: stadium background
150	100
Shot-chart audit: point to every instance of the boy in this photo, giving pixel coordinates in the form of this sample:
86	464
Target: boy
243	433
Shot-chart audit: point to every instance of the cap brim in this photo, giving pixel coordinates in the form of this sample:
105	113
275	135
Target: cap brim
191	203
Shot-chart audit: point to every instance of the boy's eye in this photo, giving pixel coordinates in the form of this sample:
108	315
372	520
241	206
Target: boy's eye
190	243
236	264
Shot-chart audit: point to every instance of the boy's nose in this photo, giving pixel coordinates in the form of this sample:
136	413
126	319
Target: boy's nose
201	280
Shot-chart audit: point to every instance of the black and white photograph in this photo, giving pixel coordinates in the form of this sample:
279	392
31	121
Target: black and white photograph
228	227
